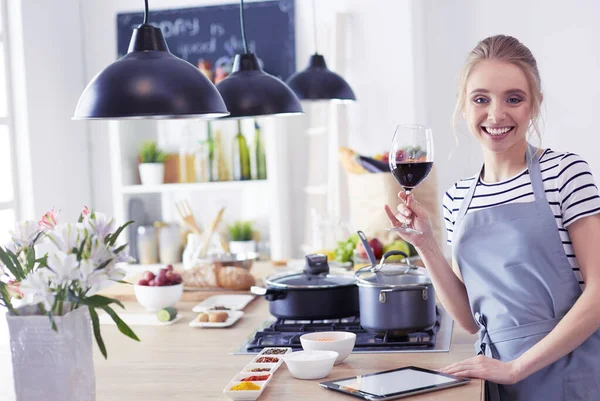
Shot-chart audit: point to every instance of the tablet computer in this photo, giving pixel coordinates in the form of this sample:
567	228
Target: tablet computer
395	383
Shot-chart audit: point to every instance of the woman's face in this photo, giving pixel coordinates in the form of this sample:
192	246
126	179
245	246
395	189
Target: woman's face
498	105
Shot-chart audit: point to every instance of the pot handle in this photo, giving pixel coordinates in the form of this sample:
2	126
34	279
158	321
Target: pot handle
270	295
386	255
423	288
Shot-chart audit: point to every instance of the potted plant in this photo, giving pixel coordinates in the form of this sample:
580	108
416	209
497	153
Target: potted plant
241	237
152	168
50	274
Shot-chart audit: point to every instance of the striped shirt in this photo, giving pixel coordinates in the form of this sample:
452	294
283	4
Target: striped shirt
568	183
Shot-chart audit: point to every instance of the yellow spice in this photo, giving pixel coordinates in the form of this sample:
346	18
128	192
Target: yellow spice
245	386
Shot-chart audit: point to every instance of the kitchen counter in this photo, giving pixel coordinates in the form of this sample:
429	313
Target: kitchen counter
178	362
181	363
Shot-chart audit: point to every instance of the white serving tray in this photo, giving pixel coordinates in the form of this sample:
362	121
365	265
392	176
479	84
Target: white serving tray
234	316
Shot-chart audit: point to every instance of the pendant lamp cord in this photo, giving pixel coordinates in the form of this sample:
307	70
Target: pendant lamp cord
146	12
243	26
314	9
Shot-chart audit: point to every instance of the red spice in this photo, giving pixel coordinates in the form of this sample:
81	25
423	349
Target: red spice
256	378
267	359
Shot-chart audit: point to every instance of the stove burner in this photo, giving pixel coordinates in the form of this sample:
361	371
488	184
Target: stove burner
287	333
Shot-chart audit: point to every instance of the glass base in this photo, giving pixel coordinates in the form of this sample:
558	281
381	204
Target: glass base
404	229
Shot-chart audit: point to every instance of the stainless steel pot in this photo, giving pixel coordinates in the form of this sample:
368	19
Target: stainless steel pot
395	297
311	294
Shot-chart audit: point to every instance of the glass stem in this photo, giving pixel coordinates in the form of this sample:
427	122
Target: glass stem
407	192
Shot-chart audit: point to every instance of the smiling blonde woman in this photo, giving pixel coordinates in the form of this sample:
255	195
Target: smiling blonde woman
523	231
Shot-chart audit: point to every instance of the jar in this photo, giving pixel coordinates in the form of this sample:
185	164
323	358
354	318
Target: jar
169	245
146	245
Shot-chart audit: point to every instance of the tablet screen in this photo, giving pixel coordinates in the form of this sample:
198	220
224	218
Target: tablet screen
395	382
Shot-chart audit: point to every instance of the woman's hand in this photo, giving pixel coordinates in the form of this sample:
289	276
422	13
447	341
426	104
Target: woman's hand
410	211
483	367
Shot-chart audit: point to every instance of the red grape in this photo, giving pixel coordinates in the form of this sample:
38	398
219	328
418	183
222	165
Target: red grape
143	282
152	283
170	268
147	275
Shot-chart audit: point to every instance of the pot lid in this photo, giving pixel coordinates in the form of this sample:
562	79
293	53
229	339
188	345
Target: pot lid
314	276
392	275
302	280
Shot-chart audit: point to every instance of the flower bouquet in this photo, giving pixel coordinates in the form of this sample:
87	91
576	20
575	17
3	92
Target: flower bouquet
50	275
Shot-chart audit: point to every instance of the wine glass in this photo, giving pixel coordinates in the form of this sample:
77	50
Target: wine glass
411	160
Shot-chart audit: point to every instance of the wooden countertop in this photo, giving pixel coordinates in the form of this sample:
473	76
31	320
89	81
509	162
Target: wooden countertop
181	363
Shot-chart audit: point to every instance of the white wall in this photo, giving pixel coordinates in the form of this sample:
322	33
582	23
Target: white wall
46	54
563	38
403	61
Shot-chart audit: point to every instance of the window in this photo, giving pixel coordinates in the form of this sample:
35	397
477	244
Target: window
8	194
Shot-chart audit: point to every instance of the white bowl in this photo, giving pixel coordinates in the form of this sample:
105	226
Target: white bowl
157	298
341	342
310	365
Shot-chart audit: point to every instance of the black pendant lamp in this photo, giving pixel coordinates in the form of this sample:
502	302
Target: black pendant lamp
149	82
249	91
317	82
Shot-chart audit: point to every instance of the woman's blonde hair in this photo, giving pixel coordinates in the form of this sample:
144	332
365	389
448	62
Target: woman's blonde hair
507	49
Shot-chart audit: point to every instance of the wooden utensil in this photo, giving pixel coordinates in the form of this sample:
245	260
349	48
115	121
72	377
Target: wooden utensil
185	212
210	232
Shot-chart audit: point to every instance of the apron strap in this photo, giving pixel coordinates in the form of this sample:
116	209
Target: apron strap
486	338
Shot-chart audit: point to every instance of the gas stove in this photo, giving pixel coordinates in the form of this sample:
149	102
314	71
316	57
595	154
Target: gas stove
286	333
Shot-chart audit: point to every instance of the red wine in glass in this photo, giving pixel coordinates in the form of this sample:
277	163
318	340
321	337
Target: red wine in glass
410	174
411	160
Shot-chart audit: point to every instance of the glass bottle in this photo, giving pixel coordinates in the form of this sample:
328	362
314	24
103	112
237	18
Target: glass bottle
258	151
220	167
241	156
146	245
211	153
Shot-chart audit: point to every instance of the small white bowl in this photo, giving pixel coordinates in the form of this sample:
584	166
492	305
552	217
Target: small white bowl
157	298
308	365
341	342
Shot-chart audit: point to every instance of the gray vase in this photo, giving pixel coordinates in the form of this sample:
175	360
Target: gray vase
49	365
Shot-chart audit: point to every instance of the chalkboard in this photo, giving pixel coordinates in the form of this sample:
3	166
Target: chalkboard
213	33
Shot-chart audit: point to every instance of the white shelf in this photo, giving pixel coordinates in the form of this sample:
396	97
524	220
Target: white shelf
198	186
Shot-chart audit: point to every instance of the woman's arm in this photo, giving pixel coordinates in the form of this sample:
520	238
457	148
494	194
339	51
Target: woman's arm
449	288
584	317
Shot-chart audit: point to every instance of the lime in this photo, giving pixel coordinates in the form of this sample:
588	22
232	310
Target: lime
166	314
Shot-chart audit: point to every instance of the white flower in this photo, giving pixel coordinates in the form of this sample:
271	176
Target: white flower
64	267
116	274
100	253
12	246
36	288
67	236
25	233
100	225
123	257
91	279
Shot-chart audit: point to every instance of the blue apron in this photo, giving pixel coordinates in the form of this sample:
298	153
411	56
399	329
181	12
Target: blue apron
520	284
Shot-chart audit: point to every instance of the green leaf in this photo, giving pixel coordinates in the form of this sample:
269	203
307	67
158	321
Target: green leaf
80	251
104	264
98	301
123	328
8	261
96	326
30	254
16	262
119	249
113	237
43	261
52	322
